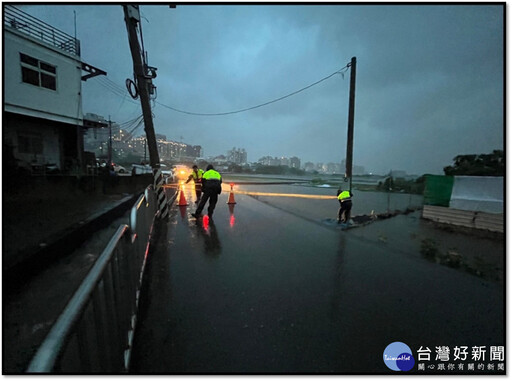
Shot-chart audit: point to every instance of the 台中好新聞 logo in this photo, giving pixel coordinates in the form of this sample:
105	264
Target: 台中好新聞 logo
398	357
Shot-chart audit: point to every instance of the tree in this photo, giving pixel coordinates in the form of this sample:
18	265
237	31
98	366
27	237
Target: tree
492	164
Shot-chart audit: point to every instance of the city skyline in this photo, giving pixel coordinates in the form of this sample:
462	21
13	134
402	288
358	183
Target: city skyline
97	141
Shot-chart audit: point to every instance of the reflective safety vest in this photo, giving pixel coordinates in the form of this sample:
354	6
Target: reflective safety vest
197	175
344	196
212	181
211	175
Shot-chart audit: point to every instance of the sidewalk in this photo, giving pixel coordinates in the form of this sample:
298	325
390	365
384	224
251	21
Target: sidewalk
49	247
30	310
38	233
29	223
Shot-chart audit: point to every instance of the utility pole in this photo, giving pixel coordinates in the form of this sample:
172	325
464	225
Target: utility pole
145	149
350	132
109	141
142	80
143	76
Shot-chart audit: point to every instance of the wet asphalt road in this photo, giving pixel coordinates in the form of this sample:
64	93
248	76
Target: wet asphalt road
260	290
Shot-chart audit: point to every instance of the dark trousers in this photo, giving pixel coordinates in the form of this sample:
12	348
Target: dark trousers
198	193
345	207
213	197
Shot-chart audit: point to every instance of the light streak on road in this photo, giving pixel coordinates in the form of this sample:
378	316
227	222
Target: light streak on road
299	195
268	194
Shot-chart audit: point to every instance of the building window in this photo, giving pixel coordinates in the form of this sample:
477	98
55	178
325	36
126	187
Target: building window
38	73
30	144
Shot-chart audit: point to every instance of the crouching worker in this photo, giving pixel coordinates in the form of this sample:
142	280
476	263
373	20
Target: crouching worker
212	181
345	200
197	176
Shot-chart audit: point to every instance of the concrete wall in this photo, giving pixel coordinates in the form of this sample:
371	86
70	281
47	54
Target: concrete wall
71	186
469	219
45	130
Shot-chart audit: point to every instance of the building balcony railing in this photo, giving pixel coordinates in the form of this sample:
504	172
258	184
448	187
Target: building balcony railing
17	19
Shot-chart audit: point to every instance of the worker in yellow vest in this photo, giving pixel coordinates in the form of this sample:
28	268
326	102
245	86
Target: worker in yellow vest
345	200
212	186
197	176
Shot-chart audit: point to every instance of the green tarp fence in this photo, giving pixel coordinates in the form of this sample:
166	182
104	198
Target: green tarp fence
438	190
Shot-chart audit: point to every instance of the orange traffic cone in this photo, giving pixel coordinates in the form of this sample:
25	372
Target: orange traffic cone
183	201
231	199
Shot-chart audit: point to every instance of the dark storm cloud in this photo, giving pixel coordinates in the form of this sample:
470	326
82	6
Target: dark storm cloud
429	78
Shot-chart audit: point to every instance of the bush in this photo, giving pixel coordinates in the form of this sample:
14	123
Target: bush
429	248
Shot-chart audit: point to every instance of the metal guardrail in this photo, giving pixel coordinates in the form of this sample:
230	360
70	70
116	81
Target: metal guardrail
17	19
94	332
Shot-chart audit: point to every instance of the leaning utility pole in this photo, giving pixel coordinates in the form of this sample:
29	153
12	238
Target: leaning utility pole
350	132
142	80
143	76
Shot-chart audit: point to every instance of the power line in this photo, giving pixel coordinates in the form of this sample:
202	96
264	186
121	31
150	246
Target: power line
120	91
114	88
130	122
340	71
130	133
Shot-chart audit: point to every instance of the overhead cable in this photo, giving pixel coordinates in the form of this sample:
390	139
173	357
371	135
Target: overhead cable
340	71
114	88
130	122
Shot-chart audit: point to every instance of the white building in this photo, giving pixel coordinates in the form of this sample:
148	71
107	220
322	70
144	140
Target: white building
237	155
43	120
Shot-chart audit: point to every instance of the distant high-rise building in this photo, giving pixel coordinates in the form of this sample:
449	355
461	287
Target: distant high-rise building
356	169
284	161
237	155
269	160
195	151
332	168
295	162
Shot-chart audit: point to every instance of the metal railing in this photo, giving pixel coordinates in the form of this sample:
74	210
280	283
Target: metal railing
94	332
17	19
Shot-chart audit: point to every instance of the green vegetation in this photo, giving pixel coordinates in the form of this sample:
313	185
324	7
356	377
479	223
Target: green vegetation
492	164
391	184
429	248
267	170
317	181
365	187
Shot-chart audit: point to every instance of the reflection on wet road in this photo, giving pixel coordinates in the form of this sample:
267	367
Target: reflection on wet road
258	290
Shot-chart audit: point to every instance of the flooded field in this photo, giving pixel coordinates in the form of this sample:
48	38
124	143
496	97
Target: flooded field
478	253
364	202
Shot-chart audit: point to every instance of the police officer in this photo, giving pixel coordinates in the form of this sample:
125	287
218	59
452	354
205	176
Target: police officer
212	181
345	200
197	176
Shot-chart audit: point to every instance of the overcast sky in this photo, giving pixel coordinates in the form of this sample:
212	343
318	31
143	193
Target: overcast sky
429	80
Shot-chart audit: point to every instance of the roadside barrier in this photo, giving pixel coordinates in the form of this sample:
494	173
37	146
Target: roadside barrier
94	333
163	205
